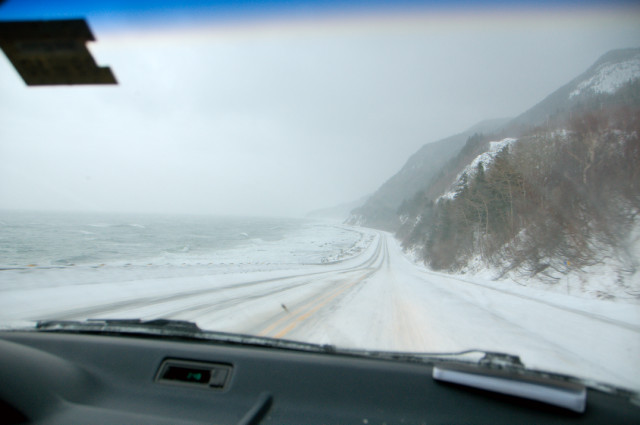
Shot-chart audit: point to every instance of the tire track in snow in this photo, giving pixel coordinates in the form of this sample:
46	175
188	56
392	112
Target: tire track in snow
593	316
284	323
223	303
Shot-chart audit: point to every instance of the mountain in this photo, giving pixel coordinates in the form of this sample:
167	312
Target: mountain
557	190
433	168
380	209
608	74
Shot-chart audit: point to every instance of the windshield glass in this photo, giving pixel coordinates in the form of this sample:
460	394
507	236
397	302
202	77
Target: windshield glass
399	176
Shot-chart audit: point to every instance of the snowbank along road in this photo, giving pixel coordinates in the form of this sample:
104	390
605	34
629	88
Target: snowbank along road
378	300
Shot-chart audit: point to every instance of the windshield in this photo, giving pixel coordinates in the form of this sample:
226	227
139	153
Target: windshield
396	176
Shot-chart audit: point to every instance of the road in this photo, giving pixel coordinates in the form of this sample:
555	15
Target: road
378	300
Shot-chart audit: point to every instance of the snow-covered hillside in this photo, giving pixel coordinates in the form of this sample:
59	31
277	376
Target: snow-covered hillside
486	158
595	88
609	77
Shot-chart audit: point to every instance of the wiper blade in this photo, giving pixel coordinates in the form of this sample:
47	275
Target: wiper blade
486	359
181	329
190	330
495	360
112	324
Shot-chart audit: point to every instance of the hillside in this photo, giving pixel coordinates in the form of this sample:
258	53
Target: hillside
605	77
555	190
380	209
433	167
562	197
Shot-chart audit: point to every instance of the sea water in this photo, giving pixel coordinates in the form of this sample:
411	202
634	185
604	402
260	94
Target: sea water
56	239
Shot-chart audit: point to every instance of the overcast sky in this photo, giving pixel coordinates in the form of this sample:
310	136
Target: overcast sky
283	114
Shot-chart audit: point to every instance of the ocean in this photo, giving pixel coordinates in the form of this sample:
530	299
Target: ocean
57	239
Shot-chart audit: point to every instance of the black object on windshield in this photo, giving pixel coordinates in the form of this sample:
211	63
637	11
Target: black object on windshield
52	52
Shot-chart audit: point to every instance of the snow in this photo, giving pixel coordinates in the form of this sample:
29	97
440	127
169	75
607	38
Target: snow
376	299
408	307
613	274
609	77
486	159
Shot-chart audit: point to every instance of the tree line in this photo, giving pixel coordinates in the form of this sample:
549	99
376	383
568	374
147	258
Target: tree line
557	198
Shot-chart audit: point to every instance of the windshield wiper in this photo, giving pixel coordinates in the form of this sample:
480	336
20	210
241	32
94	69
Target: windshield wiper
189	330
123	324
180	329
483	358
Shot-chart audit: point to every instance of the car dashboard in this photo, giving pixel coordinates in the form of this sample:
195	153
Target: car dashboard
75	378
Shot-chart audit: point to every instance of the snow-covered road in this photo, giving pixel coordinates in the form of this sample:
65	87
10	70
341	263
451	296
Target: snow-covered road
390	304
377	300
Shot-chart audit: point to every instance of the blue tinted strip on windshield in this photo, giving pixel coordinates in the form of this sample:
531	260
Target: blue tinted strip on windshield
30	9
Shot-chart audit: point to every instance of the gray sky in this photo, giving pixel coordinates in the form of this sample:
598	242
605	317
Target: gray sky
280	117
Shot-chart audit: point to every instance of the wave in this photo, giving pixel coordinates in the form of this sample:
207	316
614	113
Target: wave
115	240
75	259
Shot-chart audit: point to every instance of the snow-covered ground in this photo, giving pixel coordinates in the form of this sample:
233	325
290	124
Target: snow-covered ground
374	299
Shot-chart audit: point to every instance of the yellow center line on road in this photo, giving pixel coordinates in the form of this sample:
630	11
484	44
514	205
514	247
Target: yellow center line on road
271	327
305	311
293	313
310	308
297	320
